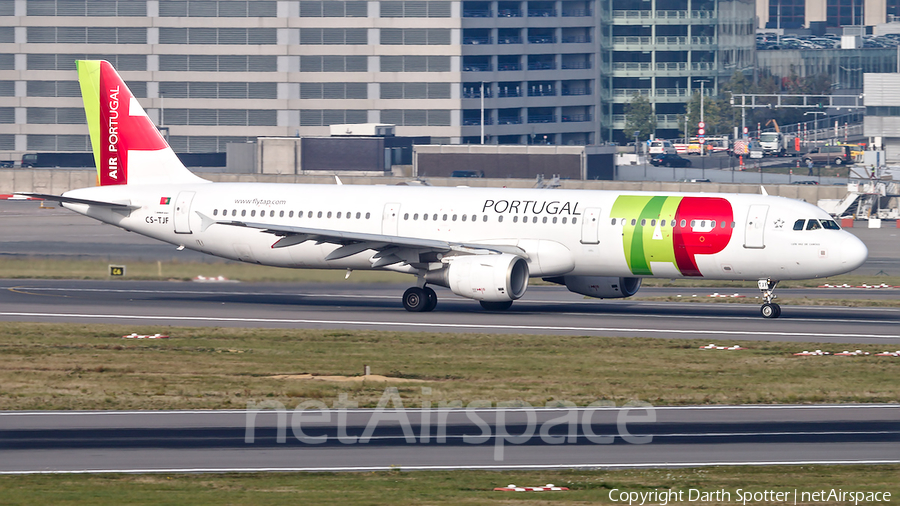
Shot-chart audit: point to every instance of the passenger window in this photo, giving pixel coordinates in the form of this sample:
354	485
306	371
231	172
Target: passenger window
328	215
405	216
798	225
613	222
545	219
243	212
500	219
416	217
367	215
309	214
515	219
234	212
683	223
652	223
445	217
534	220
813	225
724	224
215	212
554	220
484	218
434	217
319	215
643	222
464	217
633	221
453	218
424	217
339	214
574	221
358	215
291	214
693	223
272	213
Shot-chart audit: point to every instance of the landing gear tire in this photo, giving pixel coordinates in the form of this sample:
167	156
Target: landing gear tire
770	310
415	300
496	306
432	299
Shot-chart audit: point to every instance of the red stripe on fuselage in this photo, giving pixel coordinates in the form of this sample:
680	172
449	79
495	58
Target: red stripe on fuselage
689	242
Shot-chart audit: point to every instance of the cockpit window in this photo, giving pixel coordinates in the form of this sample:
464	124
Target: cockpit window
798	225
830	225
813	225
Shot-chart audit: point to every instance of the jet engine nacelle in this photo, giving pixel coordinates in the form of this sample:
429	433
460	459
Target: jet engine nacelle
491	278
601	287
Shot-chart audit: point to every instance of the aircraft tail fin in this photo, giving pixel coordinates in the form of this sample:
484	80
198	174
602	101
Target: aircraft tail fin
128	148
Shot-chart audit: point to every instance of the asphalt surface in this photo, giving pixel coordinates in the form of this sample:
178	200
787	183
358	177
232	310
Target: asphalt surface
543	310
410	439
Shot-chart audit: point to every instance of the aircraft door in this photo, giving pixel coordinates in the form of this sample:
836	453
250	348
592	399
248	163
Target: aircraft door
756	226
183	212
590	226
390	218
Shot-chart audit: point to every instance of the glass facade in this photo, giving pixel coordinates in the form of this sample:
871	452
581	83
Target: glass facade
662	51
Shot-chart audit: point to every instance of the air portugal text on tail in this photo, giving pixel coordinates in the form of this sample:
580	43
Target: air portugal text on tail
123	138
481	243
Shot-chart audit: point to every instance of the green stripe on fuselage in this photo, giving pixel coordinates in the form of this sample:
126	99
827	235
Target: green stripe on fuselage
650	242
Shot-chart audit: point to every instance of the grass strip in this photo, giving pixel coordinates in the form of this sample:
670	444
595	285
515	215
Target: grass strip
75	366
456	487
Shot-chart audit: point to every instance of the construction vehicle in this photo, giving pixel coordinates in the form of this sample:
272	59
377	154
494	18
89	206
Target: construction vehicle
778	144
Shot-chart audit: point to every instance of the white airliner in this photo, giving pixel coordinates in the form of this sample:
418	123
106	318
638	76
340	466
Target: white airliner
481	243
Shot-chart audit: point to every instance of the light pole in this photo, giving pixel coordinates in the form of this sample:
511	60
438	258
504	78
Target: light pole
701	81
815	123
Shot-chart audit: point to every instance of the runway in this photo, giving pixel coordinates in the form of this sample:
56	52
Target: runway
544	310
515	438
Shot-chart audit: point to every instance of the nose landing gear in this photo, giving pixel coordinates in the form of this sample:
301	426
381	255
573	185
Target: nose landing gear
769	309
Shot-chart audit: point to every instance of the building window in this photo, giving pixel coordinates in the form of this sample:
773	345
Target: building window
415	36
334	9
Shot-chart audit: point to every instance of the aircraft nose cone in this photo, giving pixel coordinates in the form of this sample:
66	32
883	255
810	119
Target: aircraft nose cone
853	253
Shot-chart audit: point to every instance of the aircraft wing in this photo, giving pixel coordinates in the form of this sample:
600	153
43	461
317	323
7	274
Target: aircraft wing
391	249
73	200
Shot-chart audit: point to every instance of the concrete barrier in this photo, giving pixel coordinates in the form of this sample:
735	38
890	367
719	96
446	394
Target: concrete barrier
57	181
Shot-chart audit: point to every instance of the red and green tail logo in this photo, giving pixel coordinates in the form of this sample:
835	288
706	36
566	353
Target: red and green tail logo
117	122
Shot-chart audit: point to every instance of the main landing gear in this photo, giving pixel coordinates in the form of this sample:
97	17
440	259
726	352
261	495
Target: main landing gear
769	309
419	300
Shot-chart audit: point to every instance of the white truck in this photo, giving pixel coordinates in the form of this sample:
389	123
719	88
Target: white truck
778	144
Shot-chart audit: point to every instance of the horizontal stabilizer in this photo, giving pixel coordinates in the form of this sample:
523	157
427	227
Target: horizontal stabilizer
72	200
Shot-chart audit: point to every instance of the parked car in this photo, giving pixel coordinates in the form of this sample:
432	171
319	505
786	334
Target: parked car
807	182
836	155
669	160
467	173
659	147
